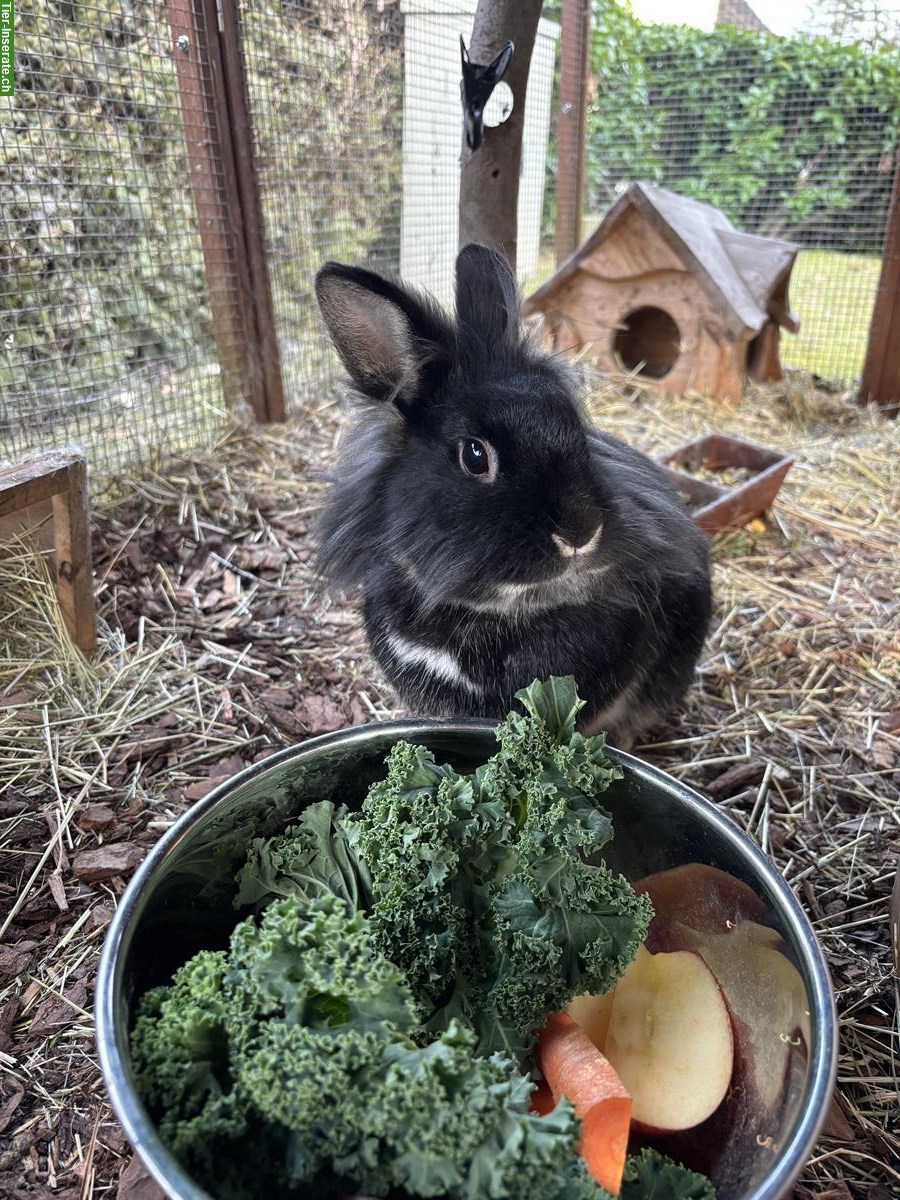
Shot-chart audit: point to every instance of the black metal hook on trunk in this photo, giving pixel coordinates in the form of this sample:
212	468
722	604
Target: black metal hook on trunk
476	87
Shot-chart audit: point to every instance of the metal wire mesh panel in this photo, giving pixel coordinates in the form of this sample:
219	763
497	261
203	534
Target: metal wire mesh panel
357	123
325	87
792	138
105	328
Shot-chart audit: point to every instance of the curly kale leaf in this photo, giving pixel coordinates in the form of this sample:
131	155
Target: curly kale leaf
452	1124
544	741
301	1034
648	1175
181	1059
652	1176
489	891
311	858
313	965
180	1044
430	851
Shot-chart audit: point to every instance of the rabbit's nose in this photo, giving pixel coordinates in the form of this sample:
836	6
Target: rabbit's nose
577	544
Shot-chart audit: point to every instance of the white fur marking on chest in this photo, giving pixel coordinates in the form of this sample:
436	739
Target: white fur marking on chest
434	661
573	587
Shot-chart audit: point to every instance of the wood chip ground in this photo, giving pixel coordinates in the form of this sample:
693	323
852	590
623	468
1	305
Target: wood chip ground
217	646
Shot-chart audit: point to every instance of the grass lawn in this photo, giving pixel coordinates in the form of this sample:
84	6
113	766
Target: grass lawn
832	293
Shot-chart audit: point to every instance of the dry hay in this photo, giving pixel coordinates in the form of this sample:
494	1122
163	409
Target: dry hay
217	645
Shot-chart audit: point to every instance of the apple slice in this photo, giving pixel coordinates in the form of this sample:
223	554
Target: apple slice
670	1041
592	1013
767	999
699	896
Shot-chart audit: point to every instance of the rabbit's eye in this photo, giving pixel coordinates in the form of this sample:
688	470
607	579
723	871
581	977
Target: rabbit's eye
478	459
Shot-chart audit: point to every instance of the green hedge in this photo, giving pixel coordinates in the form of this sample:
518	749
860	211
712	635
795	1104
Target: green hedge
790	137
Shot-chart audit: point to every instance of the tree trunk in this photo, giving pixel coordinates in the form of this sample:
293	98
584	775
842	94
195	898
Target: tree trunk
489	180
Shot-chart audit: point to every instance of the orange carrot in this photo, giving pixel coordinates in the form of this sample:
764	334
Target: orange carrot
574	1067
542	1100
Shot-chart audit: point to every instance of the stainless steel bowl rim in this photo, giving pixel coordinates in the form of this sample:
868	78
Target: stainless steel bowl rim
164	1167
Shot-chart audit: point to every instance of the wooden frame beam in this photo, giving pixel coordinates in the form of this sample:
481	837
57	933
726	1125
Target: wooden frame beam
881	374
571	124
46	498
216	112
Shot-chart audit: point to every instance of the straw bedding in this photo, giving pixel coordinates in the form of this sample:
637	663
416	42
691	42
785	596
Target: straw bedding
218	645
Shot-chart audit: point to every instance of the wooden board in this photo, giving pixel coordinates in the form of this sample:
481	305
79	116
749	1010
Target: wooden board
45	498
881	372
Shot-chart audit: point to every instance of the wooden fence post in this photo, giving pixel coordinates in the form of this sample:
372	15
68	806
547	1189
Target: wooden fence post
238	96
215	109
489	177
571	124
881	373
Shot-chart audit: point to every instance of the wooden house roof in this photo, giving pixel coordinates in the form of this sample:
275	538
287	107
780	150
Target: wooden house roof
745	273
739	14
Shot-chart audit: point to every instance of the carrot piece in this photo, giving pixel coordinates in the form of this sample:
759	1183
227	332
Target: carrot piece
574	1067
542	1100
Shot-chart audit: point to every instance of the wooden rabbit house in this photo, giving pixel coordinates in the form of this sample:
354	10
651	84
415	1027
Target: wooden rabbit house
668	289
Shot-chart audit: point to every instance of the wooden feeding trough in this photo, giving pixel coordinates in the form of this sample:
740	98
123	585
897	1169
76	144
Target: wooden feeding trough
667	288
747	478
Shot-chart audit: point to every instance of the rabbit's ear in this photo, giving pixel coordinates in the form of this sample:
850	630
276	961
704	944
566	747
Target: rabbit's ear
487	296
384	334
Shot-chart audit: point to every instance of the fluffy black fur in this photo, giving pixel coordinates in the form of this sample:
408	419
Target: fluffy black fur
468	595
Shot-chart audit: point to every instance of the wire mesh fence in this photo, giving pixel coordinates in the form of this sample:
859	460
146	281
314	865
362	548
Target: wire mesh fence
105	327
358	153
125	305
121	302
325	84
793	138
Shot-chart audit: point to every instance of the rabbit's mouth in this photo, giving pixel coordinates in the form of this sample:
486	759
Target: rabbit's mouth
582	547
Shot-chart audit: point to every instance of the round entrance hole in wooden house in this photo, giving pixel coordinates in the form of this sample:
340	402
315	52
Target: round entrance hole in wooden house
648	341
666	288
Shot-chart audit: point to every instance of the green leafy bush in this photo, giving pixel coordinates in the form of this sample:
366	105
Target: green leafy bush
789	137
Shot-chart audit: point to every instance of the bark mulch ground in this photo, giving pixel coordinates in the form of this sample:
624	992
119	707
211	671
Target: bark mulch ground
218	646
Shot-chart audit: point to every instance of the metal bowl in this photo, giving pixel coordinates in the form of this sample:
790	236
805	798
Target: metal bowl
180	901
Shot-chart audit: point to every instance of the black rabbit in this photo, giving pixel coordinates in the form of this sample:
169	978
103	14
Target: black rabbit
496	535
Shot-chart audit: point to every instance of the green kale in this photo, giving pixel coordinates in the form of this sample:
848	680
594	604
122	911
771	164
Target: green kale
315	965
652	1176
456	1125
488	891
180	1052
296	1045
648	1175
311	858
181	1056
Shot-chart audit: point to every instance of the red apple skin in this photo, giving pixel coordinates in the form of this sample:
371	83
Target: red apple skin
697	907
697	896
739	1141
